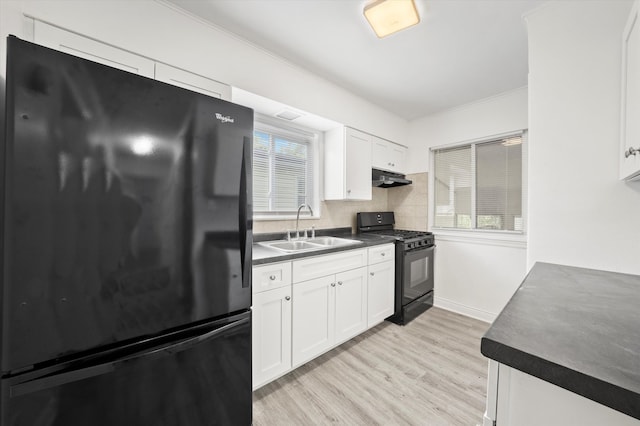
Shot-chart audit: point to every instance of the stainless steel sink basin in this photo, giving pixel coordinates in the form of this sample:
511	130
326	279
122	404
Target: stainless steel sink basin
310	244
291	245
332	241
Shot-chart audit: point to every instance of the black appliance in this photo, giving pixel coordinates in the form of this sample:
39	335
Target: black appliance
126	265
414	264
385	179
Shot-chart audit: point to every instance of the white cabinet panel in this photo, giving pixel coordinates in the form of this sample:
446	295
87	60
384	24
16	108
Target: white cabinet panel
387	155
381	292
271	335
313	319
630	110
271	276
381	253
351	304
347	173
193	82
83	47
319	266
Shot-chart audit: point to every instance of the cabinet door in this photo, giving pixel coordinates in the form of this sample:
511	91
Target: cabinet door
387	155
271	335
397	158
630	123
357	165
313	318
381	292
351	304
193	82
380	154
84	47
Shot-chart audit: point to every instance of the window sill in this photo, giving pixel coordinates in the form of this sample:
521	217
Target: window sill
505	239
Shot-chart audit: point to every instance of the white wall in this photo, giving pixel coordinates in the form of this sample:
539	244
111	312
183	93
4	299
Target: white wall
474	276
579	213
155	30
495	115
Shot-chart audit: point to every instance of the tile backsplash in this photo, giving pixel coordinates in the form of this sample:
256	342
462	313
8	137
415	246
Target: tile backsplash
408	202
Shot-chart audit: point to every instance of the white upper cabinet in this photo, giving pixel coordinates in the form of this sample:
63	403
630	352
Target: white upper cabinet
347	165
388	155
87	48
630	110
194	82
83	47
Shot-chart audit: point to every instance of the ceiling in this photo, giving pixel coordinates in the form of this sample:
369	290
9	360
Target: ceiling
461	51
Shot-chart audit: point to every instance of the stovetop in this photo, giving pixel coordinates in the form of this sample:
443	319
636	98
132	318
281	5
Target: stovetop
402	234
381	223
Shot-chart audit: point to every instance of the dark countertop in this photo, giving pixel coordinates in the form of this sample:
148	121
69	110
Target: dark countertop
576	328
262	255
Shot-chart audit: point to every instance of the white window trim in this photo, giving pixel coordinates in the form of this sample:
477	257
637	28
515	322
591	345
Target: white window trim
517	239
318	142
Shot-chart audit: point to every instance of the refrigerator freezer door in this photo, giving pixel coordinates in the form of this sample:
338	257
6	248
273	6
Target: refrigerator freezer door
202	379
126	207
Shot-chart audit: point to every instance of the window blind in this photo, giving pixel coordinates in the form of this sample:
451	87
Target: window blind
480	185
282	169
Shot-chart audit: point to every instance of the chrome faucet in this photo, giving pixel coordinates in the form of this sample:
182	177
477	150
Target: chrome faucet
298	217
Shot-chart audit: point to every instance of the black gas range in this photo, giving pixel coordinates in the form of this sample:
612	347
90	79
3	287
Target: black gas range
414	264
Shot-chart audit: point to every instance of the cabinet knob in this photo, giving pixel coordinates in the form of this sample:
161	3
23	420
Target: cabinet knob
371	273
348	191
272	277
383	254
339	282
631	151
333	284
287	298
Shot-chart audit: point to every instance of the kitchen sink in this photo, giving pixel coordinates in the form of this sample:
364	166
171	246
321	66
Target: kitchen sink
332	241
318	243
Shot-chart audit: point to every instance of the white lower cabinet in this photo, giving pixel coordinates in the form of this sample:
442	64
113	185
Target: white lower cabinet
328	311
381	292
303	308
517	398
271	322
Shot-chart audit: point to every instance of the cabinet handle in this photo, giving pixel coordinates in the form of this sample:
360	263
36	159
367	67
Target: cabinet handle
631	151
287	298
272	277
371	273
333	284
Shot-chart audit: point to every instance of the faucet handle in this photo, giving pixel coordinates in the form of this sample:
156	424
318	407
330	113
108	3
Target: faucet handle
313	231
288	234
305	234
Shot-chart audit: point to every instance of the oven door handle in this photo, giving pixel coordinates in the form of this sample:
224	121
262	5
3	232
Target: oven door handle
417	249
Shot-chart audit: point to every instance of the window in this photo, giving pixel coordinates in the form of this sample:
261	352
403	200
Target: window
284	169
480	185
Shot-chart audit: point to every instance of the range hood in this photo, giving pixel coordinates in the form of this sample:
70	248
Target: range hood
384	179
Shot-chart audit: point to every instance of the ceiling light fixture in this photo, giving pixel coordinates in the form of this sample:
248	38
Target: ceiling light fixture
390	16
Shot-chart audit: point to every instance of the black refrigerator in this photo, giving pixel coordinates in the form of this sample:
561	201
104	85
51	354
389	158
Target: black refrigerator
126	248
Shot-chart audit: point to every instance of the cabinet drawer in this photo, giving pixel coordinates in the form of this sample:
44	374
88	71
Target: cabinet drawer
381	253
273	275
321	266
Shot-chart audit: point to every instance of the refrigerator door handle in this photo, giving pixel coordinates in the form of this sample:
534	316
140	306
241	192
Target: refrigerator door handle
97	370
246	211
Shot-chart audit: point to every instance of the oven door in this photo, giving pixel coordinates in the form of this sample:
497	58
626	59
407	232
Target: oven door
418	273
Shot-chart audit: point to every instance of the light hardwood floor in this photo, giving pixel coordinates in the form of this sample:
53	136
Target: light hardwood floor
429	372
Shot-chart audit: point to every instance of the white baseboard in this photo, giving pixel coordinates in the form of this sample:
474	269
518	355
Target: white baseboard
459	308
